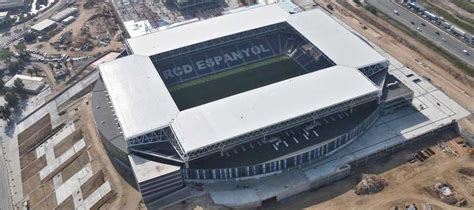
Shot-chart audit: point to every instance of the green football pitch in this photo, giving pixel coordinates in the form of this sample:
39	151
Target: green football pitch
233	81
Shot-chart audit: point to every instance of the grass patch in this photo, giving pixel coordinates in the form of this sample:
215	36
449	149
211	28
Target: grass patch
233	81
465	4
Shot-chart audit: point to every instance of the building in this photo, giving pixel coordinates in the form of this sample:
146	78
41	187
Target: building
192	4
138	28
44	26
32	85
3	15
239	121
64	14
68	20
11	4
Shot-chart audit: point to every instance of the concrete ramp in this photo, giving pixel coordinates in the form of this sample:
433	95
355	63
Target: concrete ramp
246	198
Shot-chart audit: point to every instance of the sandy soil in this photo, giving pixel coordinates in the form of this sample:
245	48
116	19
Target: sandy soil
406	183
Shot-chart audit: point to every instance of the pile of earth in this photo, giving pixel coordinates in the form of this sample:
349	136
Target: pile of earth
370	184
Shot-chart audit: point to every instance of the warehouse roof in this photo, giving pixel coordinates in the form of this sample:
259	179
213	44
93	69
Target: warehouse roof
43	25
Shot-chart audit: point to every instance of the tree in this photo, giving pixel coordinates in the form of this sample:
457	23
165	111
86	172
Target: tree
18	84
357	2
6	22
5	55
5	112
371	9
29	37
2	84
36	70
12	99
14	67
20	47
25	56
30	71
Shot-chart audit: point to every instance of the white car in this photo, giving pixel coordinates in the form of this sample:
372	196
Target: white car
418	28
395	12
465	52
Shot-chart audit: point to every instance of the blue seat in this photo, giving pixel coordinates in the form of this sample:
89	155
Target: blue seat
185	68
165	69
274	41
216	55
235	54
200	58
266	52
304	58
249	56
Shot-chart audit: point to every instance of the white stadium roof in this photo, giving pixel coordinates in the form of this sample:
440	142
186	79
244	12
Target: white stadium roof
140	99
339	44
252	110
201	31
143	104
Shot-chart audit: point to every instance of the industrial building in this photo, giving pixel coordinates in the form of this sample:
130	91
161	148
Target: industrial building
64	14
180	109
32	85
189	4
44	26
11	4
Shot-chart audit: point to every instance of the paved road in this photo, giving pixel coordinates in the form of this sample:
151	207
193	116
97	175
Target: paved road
451	44
5	200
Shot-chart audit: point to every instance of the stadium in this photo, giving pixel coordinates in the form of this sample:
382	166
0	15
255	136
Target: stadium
240	96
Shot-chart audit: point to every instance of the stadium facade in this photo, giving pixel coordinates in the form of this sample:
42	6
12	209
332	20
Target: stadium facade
240	96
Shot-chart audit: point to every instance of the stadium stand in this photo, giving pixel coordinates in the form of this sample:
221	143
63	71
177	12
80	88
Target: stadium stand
286	42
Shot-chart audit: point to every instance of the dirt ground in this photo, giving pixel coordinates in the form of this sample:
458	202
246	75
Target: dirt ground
85	15
126	196
406	183
429	63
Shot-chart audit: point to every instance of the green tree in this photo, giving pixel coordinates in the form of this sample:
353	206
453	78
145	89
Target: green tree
12	99
6	22
21	47
19	85
30	71
2	84
5	55
36	70
29	37
371	9
5	112
25	56
14	67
